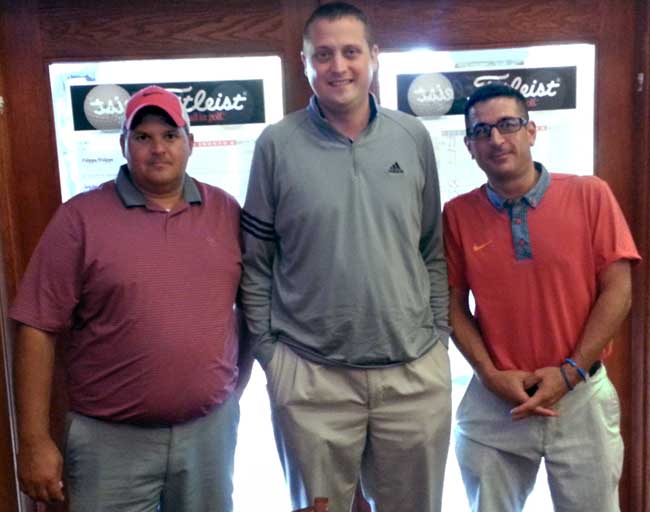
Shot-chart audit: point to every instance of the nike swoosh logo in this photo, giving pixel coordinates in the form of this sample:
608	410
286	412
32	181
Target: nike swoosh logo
477	248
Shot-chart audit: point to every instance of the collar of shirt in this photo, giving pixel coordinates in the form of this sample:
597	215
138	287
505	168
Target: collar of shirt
317	114
131	195
532	198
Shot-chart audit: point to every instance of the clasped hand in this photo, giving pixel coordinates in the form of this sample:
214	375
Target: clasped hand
511	385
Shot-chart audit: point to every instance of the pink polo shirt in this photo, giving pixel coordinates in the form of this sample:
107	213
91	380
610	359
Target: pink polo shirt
147	296
531	312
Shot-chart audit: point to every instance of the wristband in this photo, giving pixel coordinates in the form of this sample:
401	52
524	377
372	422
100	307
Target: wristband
566	378
582	373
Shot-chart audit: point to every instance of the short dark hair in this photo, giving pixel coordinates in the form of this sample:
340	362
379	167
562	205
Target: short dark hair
495	90
334	11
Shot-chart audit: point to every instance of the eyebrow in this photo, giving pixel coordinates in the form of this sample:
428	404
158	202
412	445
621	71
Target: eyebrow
499	119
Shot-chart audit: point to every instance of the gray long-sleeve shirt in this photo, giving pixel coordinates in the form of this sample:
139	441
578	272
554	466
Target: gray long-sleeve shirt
343	258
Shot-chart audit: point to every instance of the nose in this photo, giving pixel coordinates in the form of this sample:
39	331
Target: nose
338	62
157	145
495	136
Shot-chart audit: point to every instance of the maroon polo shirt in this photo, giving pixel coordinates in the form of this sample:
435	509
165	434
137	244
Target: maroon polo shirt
147	296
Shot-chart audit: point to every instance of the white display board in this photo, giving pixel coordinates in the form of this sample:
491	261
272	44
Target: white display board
564	136
89	151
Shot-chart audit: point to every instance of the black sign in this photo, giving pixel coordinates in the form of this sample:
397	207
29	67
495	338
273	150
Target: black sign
436	94
102	107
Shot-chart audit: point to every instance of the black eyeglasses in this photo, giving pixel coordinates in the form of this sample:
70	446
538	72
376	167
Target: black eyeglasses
504	125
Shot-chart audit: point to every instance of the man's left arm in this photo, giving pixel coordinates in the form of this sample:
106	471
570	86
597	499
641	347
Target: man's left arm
609	310
431	244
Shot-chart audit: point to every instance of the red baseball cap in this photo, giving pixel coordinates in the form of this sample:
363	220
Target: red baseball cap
154	96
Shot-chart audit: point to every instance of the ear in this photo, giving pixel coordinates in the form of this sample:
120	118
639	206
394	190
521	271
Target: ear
123	144
468	146
190	139
303	58
374	57
531	131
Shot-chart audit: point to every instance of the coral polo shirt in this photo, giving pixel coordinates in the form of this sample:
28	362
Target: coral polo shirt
532	266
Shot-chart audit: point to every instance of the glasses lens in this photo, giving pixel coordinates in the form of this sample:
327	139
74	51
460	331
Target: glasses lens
504	125
481	131
509	124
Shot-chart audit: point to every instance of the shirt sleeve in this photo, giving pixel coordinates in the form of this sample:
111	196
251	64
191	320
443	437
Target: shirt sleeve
259	242
51	286
612	239
431	243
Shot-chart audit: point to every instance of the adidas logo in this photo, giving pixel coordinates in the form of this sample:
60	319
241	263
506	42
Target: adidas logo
395	169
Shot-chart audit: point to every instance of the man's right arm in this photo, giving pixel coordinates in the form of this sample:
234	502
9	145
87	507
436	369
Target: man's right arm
259	239
510	385
39	460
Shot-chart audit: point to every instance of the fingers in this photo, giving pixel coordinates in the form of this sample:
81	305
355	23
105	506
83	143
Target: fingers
532	380
509	385
47	492
40	467
55	491
532	407
519	414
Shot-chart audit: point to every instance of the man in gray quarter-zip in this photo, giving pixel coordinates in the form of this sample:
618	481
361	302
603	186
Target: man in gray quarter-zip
345	284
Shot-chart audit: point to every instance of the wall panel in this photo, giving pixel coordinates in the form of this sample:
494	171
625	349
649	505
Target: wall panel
137	29
475	23
35	33
639	367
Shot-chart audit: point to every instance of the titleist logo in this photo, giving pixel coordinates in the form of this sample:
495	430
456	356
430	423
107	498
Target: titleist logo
200	101
535	89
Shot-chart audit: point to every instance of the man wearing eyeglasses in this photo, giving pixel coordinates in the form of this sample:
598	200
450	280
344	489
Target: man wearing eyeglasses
547	260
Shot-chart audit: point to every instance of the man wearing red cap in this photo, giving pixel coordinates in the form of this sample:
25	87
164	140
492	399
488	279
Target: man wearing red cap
141	274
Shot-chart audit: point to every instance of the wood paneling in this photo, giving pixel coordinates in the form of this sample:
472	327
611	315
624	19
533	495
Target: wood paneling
638	453
35	33
297	89
7	247
7	483
160	29
31	176
446	24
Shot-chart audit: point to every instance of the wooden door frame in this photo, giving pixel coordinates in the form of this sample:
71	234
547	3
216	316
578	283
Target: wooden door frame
9	496
639	454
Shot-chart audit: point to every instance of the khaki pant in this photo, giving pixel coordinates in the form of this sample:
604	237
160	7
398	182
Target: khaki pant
388	428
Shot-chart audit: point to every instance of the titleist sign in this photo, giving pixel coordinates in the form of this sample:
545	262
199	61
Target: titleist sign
446	93
534	89
200	101
102	107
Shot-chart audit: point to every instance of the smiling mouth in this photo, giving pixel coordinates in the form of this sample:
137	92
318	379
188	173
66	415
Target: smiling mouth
339	83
